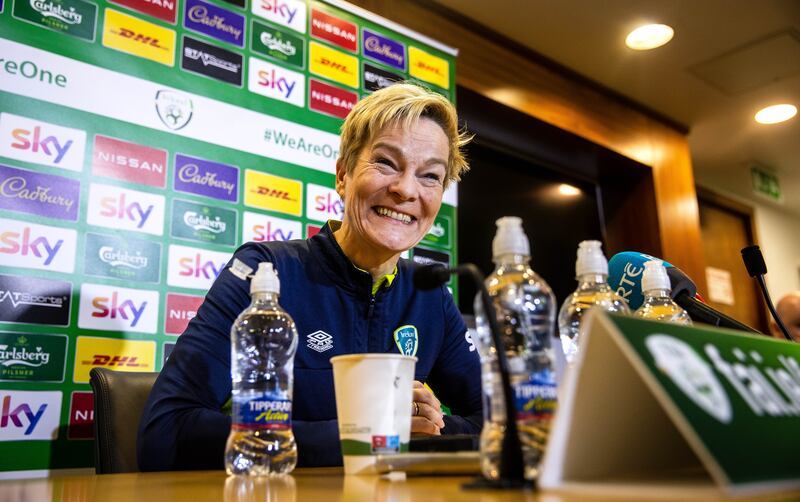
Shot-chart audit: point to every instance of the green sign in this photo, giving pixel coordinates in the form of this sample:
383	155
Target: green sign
278	44
678	400
73	17
440	233
765	183
203	223
122	258
32	357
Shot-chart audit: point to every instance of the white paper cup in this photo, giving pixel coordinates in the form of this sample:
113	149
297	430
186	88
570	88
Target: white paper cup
373	404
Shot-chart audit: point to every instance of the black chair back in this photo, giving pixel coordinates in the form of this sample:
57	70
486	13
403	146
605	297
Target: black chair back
119	399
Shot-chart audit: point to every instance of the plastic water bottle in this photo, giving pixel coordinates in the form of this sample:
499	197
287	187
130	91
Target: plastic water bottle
263	344
658	304
526	309
591	270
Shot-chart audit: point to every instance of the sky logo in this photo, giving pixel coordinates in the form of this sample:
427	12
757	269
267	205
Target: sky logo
323	203
194	268
43	143
118	309
276	82
119	208
41	247
262	228
28	415
291	13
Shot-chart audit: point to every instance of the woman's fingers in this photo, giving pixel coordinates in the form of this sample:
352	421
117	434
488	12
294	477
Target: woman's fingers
434	415
421	425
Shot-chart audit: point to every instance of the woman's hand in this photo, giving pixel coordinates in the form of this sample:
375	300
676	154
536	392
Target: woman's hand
426	412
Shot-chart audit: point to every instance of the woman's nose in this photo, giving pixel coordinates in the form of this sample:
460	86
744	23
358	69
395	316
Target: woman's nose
404	185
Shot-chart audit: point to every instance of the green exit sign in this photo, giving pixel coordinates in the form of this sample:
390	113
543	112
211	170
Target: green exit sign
765	183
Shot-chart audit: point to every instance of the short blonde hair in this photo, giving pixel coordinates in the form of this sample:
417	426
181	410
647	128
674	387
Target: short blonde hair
403	104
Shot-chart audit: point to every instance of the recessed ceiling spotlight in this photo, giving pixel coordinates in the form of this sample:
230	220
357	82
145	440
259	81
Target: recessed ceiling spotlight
568	190
649	37
776	113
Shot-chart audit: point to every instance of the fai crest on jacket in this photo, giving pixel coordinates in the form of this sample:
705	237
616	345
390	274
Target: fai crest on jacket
407	339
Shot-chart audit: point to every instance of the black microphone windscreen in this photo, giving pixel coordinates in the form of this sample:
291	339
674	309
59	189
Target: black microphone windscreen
680	282
754	261
430	276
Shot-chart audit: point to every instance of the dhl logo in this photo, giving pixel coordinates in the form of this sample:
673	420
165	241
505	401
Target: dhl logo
332	64
112	361
274	193
138	37
427	67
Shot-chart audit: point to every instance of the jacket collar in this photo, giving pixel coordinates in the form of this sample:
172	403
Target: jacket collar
336	264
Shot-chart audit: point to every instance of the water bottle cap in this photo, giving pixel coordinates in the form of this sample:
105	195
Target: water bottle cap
655	276
510	238
591	259
266	279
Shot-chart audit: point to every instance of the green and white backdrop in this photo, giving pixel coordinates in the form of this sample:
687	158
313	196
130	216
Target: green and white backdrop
142	141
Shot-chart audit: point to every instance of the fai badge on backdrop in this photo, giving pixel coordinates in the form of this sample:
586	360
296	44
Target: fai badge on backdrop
174	109
407	339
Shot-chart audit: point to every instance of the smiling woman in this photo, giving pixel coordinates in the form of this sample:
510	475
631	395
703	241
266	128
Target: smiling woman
347	290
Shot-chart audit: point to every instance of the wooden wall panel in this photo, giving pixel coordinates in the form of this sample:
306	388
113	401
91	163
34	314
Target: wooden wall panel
531	85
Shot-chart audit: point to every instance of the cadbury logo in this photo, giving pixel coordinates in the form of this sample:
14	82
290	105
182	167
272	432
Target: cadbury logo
190	173
373	44
199	14
16	187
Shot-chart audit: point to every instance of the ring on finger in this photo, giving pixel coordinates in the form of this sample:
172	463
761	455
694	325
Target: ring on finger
416	408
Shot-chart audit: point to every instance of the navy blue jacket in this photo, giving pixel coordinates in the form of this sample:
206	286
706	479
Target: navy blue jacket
183	427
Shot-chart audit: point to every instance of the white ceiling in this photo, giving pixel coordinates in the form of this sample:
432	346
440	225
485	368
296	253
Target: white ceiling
722	37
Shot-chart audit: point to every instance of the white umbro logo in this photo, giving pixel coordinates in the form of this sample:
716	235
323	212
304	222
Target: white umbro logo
320	341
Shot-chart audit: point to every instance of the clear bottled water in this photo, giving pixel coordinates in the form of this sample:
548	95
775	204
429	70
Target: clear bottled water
525	308
263	344
591	270
658	304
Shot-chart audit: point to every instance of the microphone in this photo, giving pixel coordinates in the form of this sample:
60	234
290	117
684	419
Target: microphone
757	268
512	465
625	277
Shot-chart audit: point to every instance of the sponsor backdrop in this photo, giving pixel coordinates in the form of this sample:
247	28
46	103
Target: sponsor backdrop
142	141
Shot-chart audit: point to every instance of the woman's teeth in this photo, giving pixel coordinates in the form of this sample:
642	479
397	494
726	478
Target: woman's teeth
394	215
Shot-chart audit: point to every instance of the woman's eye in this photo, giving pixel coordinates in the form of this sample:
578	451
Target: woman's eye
384	162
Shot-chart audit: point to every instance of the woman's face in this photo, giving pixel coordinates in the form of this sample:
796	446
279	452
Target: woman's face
394	192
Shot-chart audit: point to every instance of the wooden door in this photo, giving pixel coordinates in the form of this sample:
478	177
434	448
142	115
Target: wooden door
726	227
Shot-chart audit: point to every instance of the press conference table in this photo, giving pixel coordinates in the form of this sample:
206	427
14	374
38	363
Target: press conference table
314	485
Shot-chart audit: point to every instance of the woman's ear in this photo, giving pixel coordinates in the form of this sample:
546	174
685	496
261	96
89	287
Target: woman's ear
341	175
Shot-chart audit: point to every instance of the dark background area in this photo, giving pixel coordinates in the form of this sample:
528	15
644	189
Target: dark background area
517	165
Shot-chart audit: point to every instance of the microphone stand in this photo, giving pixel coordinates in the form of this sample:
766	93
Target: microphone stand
512	465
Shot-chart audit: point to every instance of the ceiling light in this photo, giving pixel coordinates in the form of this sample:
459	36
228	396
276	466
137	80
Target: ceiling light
776	113
649	37
568	190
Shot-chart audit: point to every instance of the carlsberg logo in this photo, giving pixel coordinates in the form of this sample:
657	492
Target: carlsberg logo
51	9
15	356
121	258
201	222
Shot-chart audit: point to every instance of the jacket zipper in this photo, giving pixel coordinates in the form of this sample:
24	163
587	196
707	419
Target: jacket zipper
371	308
